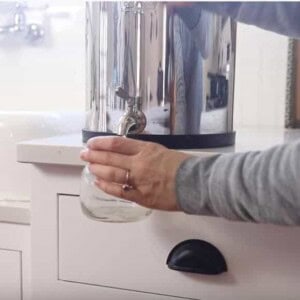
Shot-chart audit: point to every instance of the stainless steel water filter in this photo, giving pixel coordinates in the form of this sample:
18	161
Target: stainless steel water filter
159	72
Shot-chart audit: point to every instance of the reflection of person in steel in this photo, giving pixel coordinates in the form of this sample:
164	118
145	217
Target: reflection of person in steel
192	42
191	45
254	186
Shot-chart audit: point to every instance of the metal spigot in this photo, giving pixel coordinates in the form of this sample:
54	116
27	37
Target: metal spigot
134	120
32	31
19	24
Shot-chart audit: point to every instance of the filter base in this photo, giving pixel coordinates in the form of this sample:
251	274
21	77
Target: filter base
194	141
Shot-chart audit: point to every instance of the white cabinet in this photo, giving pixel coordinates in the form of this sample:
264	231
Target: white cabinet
74	257
10	275
58	267
132	256
129	256
14	260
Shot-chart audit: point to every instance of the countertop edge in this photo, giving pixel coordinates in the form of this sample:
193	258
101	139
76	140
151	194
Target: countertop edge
15	212
65	149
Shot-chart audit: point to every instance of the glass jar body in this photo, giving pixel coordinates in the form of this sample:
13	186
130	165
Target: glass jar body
106	208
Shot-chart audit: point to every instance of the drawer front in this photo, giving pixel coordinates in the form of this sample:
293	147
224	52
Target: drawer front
263	261
10	275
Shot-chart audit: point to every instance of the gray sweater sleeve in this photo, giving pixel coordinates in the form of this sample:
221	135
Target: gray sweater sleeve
280	17
255	186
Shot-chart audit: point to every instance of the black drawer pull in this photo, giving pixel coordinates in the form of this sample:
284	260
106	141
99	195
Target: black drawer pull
197	256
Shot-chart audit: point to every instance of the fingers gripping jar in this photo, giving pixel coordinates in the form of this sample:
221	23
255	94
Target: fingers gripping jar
100	206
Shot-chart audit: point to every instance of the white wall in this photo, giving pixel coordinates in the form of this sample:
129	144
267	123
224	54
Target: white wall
261	64
44	79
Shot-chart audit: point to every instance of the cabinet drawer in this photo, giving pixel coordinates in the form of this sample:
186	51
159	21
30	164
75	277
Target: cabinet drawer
263	261
10	275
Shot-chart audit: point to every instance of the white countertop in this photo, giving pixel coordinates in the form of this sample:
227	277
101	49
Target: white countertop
64	150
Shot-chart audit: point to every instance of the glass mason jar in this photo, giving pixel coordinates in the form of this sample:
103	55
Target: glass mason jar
106	208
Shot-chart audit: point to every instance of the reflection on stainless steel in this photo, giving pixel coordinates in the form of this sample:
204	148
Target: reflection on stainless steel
148	72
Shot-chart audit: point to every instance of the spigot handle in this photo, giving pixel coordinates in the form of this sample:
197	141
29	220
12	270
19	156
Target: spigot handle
120	92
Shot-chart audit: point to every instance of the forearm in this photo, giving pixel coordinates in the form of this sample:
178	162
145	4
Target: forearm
254	186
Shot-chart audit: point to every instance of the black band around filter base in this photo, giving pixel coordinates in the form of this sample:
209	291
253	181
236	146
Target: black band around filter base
180	141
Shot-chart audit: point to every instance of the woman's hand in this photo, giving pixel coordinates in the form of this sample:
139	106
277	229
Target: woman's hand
151	168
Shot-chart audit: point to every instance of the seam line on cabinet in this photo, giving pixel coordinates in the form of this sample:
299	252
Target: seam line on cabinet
21	275
128	290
